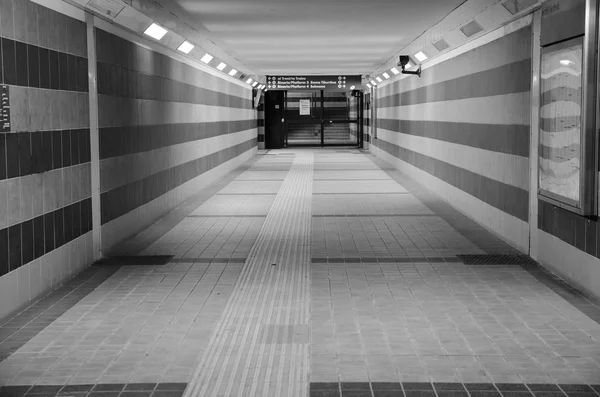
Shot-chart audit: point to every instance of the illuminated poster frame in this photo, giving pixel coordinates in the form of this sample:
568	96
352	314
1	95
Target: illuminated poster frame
584	202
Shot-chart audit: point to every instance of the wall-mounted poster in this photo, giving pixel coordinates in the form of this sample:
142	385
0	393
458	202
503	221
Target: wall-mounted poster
561	122
304	107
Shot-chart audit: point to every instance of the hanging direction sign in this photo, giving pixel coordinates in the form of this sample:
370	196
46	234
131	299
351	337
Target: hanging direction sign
327	83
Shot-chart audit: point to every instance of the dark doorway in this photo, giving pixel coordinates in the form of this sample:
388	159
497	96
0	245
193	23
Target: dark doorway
313	118
275	119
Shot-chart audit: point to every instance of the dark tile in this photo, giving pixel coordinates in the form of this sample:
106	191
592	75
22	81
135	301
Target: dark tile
84	146
581	394
596	387
509	393
22	72
33	65
44	67
419	393
138	393
9	62
324	393
549	394
63	71
576	388
66	149
511	387
59	227
49	243
27	241
356	393
25	160
75	147
14	247
389	393
37	152
104	394
2	156
77	388
140	386
417	386
452	393
319	386
4	261
484	393
38	237
167	393
72	72
171	386
480	387
386	386
68	223
109	387
448	386
54	70
76	219
12	155
355	386
14	391
47	150
57	161
44	389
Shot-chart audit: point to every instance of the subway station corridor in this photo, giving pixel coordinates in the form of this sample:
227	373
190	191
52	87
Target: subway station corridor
321	272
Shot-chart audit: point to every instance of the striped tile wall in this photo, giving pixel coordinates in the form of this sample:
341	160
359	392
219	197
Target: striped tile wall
261	122
45	188
463	129
166	129
367	119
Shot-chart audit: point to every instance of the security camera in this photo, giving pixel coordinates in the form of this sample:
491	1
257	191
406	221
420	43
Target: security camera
405	60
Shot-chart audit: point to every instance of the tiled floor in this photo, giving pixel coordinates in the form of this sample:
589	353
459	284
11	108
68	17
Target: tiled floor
308	272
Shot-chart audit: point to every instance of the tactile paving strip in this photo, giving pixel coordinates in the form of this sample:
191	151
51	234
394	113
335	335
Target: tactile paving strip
272	291
520	260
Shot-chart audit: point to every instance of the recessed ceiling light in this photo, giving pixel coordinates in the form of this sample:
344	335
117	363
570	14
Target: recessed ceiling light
408	65
395	71
566	62
255	84
206	58
155	31
420	56
248	81
379	79
368	85
373	82
222	66
387	76
186	47
353	87
232	72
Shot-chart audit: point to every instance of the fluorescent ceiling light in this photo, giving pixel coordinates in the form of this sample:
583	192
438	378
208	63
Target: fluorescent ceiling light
248	81
206	58
232	72
566	62
387	76
373	82
254	84
395	71
222	66
379	79
420	56
186	47
368	85
155	31
408	65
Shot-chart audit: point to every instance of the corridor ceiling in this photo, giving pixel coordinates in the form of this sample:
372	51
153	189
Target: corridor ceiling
311	36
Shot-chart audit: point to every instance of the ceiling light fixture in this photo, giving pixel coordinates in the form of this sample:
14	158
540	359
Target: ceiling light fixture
387	76
249	81
255	84
155	31
395	71
379	79
232	72
420	56
207	58
373	83
222	66
368	85
186	47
